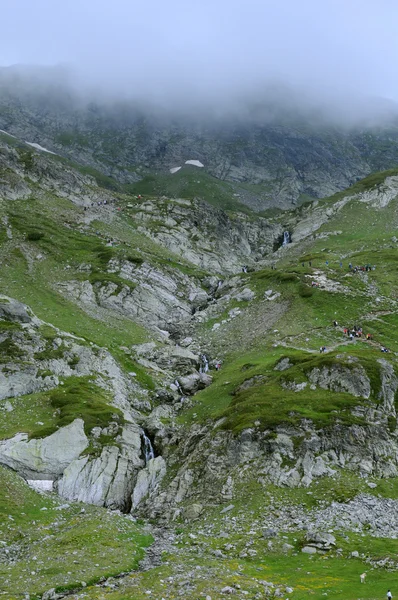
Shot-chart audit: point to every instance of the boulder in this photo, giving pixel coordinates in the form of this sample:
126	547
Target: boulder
12	310
194	382
45	458
193	511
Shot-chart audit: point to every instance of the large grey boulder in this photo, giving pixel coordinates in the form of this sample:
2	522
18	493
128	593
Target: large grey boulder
194	382
45	458
12	310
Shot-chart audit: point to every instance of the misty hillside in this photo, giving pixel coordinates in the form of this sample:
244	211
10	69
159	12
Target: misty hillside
169	427
271	153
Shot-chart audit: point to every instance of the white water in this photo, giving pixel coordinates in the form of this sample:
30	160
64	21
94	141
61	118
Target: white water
148	449
286	238
204	367
176	383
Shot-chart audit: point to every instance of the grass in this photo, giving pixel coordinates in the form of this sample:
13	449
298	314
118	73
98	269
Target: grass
42	413
87	545
269	403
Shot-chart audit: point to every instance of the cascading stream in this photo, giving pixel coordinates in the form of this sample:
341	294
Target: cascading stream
286	238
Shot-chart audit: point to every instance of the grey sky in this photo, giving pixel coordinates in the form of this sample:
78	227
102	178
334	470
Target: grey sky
221	46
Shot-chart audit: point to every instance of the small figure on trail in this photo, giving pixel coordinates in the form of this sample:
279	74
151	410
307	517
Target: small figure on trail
362	577
327	263
350	266
389	594
322	349
218	365
368	336
335	323
310	264
302	264
383	349
341	264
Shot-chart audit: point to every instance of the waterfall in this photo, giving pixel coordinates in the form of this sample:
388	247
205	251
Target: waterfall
204	366
286	238
177	384
148	449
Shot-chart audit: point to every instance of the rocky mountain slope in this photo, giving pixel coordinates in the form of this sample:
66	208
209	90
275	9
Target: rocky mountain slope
272	154
161	385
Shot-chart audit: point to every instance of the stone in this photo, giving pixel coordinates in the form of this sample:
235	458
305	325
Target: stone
193	511
12	310
308	550
45	458
245	295
148	480
355	554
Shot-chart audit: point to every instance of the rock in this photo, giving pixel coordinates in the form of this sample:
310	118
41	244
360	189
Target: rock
194	382
50	595
355	554
45	458
287	547
106	480
245	295
227	508
289	590
12	310
308	550
320	540
283	365
193	511
228	590
269	533
148	480
371	485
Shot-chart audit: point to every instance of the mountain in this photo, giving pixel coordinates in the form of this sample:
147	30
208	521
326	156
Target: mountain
273	153
169	425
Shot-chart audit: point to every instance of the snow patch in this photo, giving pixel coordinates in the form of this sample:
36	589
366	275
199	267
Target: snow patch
175	169
10	134
195	163
38	147
41	485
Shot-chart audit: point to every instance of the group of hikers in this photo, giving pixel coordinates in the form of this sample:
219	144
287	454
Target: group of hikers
354	332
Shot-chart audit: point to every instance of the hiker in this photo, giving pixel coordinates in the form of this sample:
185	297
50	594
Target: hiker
310	264
322	349
350	266
389	595
341	264
335	323
327	263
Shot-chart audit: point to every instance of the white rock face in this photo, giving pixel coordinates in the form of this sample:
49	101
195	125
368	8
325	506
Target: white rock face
175	170
108	479
195	163
148	480
45	458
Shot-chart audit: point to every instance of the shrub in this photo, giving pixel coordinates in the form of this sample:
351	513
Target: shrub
304	291
35	236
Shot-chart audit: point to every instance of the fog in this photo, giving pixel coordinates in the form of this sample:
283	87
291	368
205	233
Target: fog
339	55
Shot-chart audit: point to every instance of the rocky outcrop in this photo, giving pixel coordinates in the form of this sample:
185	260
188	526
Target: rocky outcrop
107	479
45	458
148	481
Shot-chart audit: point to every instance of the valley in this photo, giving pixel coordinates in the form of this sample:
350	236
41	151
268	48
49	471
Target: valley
130	316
